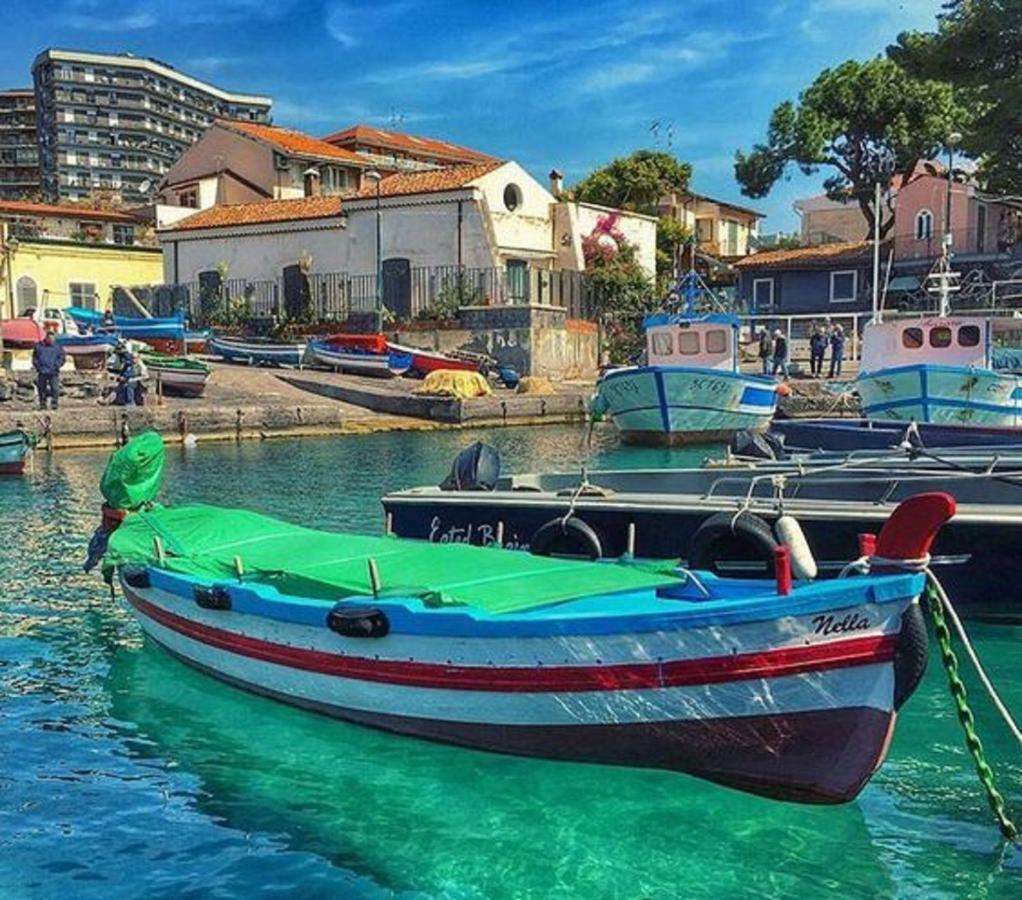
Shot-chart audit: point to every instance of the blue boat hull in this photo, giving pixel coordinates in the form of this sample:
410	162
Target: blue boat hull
254	353
847	435
138	328
678	405
942	395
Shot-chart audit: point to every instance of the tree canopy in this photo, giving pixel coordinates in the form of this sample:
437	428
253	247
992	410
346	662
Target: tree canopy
637	182
865	121
977	48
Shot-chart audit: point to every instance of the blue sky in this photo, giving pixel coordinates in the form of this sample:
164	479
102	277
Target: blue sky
544	83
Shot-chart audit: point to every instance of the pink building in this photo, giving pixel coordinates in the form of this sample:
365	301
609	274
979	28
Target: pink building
981	225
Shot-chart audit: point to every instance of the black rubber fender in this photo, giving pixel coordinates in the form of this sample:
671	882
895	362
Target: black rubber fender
135	576
725	535
212	597
358	621
911	654
567	537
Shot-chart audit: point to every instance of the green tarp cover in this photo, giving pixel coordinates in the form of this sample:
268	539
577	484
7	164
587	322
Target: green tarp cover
204	540
134	473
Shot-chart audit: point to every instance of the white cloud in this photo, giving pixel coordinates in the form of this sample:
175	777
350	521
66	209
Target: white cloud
349	22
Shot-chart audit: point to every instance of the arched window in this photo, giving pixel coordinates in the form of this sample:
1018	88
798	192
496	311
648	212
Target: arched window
27	294
924	225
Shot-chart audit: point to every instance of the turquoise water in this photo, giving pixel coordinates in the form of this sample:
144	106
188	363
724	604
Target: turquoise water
125	774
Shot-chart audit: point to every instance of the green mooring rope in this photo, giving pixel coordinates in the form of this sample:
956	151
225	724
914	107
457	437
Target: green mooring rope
966	718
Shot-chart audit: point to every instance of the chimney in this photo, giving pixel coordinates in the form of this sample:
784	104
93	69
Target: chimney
556	182
311	179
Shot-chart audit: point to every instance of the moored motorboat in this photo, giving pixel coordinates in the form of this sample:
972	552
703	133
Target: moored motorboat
177	375
727	517
788	692
257	351
869	434
361	362
15	447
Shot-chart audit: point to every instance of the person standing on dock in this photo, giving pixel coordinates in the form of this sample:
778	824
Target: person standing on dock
817	350
765	350
47	358
780	358
837	350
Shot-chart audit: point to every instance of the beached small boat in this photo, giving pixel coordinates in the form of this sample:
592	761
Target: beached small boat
870	434
177	375
138	328
426	361
257	351
786	692
15	447
367	343
21	334
360	362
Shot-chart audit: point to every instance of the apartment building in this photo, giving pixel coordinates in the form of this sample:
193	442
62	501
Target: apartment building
724	230
19	153
116	122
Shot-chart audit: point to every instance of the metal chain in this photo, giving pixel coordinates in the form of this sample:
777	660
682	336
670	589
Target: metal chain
966	718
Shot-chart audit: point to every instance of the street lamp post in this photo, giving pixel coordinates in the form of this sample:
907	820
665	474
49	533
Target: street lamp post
373	175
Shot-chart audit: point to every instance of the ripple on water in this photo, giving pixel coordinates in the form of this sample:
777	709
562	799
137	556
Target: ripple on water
124	773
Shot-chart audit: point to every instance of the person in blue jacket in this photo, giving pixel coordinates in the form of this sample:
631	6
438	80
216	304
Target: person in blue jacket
47	358
817	349
837	350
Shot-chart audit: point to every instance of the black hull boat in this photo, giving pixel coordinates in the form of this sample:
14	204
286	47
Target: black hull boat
725	518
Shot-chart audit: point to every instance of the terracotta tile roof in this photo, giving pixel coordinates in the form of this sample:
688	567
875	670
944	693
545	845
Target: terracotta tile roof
64	210
294	142
360	135
434	181
260	213
822	255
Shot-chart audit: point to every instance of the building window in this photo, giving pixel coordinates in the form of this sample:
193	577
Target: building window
762	293
688	343
843	286
27	294
512	197
82	294
124	234
968	336
716	341
189	198
663	344
924	225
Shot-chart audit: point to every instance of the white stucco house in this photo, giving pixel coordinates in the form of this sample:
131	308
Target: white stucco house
491	220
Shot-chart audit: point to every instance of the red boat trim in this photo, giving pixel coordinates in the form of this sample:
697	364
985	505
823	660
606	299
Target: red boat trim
539	679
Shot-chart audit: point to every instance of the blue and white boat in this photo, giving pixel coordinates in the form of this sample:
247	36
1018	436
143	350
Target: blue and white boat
691	389
138	328
256	351
936	370
360	362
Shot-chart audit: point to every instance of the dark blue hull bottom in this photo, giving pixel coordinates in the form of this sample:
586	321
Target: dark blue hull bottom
973	559
859	434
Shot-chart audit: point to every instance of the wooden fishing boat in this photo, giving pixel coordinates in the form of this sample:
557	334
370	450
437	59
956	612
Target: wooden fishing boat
367	343
788	692
691	390
21	334
137	328
256	351
381	365
177	375
426	361
15	447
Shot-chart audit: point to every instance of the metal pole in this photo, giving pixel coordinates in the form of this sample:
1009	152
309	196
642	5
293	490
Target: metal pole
876	254
947	205
379	265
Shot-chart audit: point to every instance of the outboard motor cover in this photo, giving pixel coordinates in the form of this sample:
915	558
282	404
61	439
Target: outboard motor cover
757	445
476	468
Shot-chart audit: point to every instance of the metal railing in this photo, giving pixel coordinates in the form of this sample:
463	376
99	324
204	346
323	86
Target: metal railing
435	292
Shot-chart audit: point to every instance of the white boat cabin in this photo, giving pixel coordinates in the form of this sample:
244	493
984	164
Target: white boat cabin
701	342
952	341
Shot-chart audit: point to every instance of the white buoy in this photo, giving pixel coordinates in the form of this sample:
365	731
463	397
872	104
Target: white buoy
789	532
190	440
